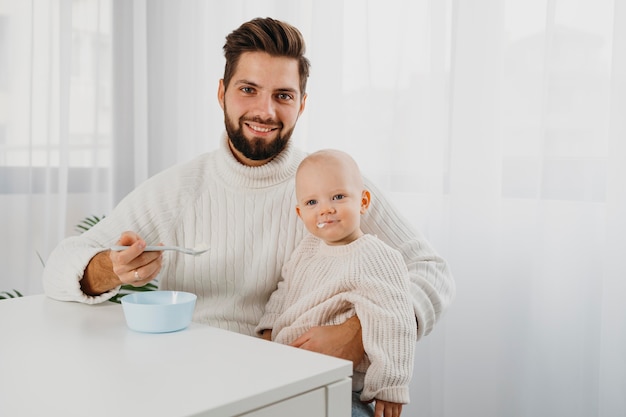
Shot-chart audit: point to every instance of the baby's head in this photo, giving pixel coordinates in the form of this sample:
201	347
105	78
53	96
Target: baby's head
331	196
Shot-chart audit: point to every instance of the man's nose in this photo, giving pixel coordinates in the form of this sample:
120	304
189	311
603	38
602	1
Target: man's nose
265	107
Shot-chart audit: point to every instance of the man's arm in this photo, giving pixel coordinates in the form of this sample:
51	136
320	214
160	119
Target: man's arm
99	276
432	286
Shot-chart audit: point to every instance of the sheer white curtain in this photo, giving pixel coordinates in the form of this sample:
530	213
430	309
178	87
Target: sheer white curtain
497	126
55	128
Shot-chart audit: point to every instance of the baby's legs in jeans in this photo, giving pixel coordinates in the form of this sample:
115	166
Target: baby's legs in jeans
361	409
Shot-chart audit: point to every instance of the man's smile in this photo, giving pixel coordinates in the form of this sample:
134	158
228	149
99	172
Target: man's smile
260	129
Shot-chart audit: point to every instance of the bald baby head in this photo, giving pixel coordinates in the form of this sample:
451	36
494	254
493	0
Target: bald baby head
338	162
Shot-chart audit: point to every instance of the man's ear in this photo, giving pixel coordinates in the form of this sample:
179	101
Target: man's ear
365	201
302	104
221	91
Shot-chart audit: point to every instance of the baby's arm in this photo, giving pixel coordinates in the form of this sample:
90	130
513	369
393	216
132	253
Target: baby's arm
383	304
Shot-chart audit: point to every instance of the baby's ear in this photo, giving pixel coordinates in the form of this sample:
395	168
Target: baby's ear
298	211
365	201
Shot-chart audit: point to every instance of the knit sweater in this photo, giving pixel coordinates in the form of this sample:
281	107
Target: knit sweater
325	285
247	216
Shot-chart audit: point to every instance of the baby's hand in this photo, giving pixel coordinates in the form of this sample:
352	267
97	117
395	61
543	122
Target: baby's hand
387	409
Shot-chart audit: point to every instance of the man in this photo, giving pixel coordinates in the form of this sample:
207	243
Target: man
238	199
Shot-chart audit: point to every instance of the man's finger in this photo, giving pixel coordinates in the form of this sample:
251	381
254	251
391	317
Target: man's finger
301	341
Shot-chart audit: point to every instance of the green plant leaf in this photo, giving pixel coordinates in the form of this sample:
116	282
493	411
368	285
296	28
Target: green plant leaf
128	289
40	259
87	223
6	294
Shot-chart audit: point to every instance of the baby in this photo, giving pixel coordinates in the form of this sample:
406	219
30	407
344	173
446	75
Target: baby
337	272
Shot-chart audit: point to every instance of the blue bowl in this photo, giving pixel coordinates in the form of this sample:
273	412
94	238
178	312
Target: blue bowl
158	311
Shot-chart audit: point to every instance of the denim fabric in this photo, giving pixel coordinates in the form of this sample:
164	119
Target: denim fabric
361	409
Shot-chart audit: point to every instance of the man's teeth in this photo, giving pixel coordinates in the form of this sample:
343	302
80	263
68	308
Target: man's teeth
261	129
321	225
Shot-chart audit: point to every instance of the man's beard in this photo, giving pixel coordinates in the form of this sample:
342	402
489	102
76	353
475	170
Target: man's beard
256	149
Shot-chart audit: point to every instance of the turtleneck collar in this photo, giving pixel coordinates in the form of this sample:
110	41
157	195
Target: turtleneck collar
278	170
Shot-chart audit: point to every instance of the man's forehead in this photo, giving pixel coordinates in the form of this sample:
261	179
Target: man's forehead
262	70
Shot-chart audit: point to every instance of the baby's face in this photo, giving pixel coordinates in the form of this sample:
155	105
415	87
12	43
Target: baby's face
331	200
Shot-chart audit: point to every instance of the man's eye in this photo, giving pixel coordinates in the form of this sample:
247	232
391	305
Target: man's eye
247	90
284	96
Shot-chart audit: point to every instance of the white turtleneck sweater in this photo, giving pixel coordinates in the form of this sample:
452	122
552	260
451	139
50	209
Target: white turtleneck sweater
247	216
324	285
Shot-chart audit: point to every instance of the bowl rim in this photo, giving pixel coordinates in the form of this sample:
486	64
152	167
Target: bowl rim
144	298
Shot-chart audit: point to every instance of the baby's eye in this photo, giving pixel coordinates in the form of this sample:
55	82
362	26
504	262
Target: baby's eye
338	197
310	203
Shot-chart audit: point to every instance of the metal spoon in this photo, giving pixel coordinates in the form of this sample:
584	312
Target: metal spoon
200	249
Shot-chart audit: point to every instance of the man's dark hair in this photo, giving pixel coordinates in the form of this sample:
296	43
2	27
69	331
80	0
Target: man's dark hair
266	35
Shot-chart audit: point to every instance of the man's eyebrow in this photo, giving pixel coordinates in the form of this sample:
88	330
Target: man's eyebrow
247	82
288	90
253	84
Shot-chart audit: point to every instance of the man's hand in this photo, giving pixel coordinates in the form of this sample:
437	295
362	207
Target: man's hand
342	341
107	270
134	266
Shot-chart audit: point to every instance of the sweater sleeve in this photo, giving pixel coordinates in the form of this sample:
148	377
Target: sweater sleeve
275	307
383	305
149	210
65	268
432	286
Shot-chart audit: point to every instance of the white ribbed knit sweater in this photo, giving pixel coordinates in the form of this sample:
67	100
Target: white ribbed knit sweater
325	285
247	216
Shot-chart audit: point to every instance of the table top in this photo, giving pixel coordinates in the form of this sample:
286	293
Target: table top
63	358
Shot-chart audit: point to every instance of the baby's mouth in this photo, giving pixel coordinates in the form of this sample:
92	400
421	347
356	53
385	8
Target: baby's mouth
323	223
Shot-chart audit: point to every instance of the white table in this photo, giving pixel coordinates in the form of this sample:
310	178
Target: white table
70	359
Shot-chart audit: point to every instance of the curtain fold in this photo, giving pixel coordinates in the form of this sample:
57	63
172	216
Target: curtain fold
497	127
